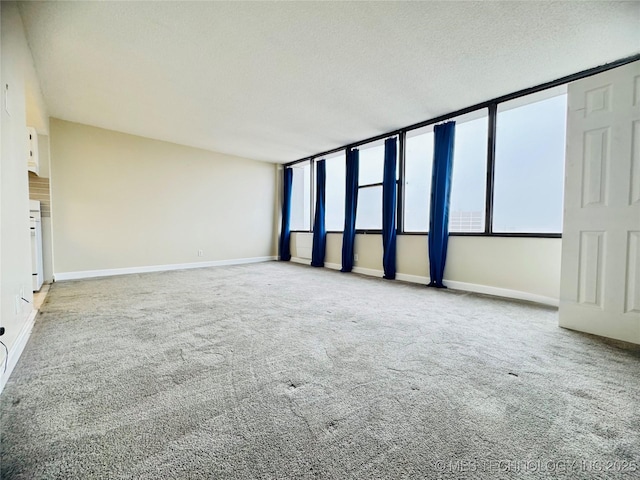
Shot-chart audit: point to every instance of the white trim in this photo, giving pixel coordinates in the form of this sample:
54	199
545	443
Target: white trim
405	277
156	268
17	348
455	285
502	292
368	271
303	261
379	273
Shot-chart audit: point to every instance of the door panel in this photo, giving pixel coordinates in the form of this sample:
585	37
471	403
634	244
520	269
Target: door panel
600	279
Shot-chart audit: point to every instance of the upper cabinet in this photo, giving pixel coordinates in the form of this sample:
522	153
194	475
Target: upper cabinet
33	160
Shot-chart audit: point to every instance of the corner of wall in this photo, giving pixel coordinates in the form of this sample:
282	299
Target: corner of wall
277	213
18	72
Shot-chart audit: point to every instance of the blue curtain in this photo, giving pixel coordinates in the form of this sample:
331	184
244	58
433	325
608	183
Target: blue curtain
319	230
389	209
350	207
285	231
440	198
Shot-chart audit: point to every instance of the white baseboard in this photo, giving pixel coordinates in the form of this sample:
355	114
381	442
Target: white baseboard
502	292
368	271
454	285
405	277
156	268
303	261
17	349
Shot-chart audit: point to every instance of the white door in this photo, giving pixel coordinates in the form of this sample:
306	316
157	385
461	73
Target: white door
600	280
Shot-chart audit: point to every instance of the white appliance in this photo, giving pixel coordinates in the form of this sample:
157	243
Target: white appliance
36	244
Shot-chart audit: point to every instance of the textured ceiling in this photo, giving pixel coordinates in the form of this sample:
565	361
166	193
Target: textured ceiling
278	81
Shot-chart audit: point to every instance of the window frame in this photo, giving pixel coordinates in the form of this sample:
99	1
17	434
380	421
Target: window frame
400	214
312	192
536	98
492	106
399	168
330	156
475	115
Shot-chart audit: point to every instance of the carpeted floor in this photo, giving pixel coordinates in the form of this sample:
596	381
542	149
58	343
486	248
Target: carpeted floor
283	371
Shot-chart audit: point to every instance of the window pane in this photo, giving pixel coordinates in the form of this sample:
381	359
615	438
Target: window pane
467	209
371	164
369	212
417	185
301	197
529	167
334	201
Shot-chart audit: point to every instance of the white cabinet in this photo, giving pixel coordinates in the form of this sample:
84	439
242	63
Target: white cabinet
33	160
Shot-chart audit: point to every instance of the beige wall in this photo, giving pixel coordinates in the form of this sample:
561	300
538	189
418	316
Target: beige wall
122	201
528	265
15	242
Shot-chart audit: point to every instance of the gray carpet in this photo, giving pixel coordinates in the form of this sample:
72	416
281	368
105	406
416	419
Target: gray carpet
284	371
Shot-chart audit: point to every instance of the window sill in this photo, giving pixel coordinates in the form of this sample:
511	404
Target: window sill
451	234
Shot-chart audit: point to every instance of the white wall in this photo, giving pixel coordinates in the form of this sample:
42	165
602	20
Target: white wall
121	201
15	248
525	268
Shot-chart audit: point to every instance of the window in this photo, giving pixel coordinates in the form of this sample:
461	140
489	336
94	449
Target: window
523	189
334	193
467	209
369	212
371	164
529	163
417	179
301	197
370	173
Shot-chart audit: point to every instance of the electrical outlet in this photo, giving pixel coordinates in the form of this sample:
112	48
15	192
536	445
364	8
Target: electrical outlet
200	253
355	257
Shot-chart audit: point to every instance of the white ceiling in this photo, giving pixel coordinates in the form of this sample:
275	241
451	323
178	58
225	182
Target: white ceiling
278	81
